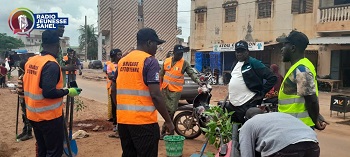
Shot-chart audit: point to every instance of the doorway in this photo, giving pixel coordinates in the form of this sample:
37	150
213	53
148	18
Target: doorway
340	66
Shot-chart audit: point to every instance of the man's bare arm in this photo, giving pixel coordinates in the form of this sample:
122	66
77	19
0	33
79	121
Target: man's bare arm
312	106
158	101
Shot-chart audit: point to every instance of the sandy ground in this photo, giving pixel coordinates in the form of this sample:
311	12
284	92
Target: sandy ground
97	144
334	141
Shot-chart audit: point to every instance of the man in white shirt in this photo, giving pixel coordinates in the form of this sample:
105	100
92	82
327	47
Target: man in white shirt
246	87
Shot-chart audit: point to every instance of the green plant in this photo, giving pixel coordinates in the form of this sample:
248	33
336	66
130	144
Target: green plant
222	120
210	154
79	104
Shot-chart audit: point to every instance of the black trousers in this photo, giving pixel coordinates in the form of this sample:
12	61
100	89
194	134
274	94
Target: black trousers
302	149
114	111
139	140
49	136
239	111
27	128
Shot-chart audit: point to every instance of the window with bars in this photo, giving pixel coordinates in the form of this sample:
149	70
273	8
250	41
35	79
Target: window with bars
302	6
200	17
264	8
230	14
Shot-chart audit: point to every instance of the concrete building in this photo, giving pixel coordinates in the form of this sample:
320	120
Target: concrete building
129	16
325	22
33	42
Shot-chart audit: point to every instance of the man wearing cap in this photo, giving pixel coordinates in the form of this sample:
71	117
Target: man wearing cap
298	94
115	55
75	62
172	79
43	94
276	135
61	62
246	87
139	98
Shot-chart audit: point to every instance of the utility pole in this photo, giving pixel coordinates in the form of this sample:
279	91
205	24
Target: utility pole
111	29
86	39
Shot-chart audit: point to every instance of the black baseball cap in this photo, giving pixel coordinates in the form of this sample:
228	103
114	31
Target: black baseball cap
180	48
241	45
146	34
114	52
50	37
296	38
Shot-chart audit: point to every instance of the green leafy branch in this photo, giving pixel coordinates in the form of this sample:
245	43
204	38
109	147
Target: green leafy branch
219	118
79	104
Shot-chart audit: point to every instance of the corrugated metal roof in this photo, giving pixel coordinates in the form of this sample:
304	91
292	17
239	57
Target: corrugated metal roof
329	40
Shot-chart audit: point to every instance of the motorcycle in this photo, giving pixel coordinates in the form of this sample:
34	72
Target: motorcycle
211	78
191	118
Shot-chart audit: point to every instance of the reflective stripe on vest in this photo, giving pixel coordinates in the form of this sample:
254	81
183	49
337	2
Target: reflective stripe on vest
304	114
34	96
299	100
136	108
295	104
133	92
173	76
134	101
173	83
43	109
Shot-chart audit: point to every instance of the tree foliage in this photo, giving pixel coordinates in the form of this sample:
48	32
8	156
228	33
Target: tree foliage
8	42
90	34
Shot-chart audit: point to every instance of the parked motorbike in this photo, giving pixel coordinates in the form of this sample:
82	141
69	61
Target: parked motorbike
191	118
269	104
211	78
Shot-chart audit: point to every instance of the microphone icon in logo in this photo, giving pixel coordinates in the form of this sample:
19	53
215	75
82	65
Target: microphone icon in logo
22	22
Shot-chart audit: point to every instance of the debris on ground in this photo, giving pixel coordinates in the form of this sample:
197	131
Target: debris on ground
80	134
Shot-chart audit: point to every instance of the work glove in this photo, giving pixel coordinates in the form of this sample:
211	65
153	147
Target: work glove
74	92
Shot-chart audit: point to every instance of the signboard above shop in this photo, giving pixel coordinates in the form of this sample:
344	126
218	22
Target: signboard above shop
252	46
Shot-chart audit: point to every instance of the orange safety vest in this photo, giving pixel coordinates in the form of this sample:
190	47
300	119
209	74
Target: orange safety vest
134	102
39	108
65	58
173	77
109	82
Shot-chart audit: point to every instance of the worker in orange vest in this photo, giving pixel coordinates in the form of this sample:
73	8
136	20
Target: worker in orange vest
108	85
76	62
43	94
139	98
116	55
172	79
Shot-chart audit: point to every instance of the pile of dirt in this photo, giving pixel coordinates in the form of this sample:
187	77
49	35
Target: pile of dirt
90	125
6	151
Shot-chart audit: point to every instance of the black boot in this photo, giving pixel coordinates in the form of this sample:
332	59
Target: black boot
25	128
28	135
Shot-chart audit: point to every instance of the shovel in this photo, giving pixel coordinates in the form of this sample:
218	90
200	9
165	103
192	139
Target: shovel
72	143
202	151
17	118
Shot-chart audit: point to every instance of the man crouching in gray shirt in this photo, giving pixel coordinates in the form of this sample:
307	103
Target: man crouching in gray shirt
276	135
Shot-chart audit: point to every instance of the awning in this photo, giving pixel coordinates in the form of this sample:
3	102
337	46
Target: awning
329	40
205	50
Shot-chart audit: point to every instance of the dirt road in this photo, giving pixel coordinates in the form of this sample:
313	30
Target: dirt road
334	141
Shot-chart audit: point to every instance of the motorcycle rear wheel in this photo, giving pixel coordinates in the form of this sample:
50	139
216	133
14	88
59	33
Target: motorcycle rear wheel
183	120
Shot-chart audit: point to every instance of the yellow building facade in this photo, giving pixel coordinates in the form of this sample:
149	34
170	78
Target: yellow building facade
325	22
